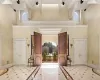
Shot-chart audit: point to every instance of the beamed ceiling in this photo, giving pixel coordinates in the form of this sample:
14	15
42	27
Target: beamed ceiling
50	29
76	4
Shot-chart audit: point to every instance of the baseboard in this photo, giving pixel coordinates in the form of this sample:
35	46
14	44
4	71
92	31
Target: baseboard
20	65
6	66
93	66
79	65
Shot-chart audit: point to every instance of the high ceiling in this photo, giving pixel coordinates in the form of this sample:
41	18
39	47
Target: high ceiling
76	4
53	26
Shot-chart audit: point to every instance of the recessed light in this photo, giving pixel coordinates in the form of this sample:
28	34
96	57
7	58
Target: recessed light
7	2
37	3
63	3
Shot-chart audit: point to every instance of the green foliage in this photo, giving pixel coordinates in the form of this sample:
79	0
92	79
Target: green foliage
54	56
44	56
49	47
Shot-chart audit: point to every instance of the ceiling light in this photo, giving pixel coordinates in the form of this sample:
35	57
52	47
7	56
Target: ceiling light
63	3
92	2
37	3
7	2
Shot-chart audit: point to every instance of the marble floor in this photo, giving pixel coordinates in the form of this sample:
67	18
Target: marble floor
3	71
50	71
17	73
97	71
82	73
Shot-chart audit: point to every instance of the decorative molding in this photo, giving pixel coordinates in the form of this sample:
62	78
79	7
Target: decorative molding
20	64
50	23
88	65
49	26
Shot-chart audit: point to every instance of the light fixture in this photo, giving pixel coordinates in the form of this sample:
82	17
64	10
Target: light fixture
71	45
63	3
7	2
92	2
37	3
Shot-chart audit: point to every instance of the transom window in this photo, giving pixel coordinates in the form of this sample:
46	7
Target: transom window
76	16
24	15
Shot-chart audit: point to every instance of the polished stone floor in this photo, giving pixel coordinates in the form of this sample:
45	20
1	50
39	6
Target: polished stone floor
17	73
82	73
97	71
3	71
50	71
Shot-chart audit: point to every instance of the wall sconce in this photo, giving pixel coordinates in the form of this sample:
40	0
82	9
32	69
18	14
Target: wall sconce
32	46
71	45
28	45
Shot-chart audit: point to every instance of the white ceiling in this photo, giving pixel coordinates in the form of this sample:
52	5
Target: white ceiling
75	4
69	3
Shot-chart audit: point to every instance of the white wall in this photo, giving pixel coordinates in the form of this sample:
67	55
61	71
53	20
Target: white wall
50	13
50	38
78	31
92	18
75	32
24	32
7	18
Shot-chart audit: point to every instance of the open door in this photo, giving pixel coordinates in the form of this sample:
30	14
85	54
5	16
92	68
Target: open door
37	48
62	48
32	44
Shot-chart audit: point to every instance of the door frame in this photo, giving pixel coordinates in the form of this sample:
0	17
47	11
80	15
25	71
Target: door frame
19	39
0	50
74	51
99	48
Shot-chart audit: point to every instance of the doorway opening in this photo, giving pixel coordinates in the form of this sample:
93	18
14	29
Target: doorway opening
49	52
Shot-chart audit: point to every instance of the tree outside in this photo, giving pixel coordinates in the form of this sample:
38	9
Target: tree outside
49	49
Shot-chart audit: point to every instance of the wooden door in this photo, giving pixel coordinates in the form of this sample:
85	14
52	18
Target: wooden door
0	53
62	48
32	45
37	48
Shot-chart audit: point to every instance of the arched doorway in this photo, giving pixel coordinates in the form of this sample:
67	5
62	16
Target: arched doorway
49	52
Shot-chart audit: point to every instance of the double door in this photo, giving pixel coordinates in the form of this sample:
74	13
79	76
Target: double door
62	48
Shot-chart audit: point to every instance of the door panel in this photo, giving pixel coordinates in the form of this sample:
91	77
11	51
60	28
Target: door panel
19	51
38	48
62	48
0	53
32	44
80	51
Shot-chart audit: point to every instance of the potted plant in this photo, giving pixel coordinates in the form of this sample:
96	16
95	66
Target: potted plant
44	56
54	56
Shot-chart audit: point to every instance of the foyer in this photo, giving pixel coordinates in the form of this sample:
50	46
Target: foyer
26	26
